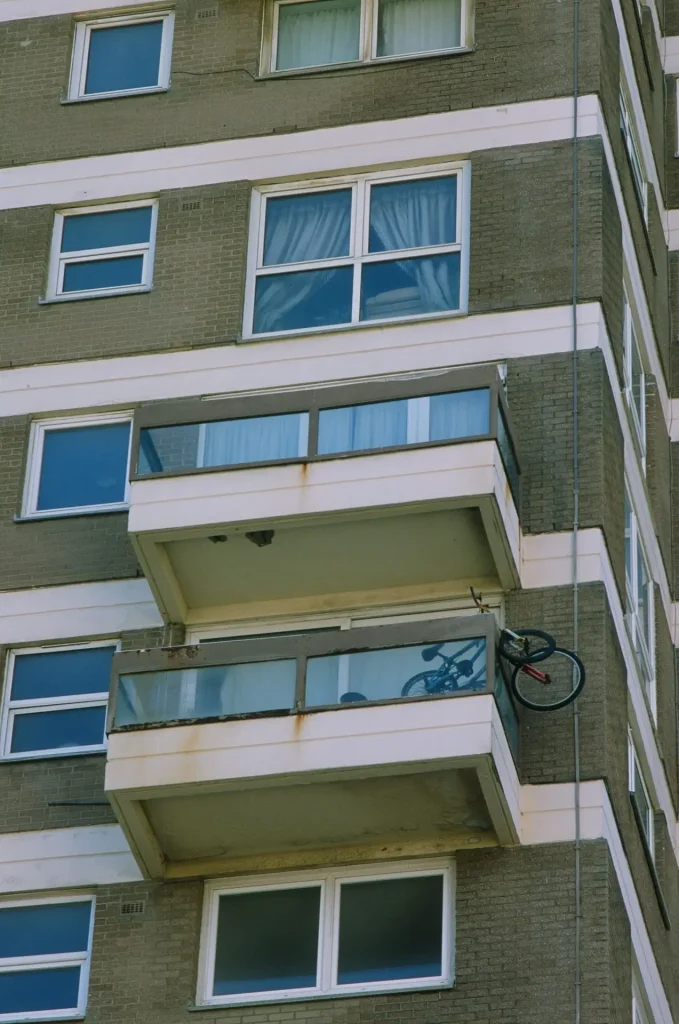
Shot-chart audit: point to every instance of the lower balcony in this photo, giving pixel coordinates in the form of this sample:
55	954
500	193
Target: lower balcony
309	748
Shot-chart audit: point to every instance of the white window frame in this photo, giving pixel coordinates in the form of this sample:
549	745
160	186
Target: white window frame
644	648
47	960
358	242
10	708
34	465
636	772
330	881
81	54
60	260
634	152
631	343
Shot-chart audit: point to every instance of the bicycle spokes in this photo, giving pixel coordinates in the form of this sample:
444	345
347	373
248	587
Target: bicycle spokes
556	683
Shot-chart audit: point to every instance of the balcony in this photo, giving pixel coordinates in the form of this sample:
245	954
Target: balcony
378	491
276	751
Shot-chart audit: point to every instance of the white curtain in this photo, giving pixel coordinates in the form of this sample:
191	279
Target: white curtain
361	427
417	26
229	442
459	414
410	215
320	32
300	229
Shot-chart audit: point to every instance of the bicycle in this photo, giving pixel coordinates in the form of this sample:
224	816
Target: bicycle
456	672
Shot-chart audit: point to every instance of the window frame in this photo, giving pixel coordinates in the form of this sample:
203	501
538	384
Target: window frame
11	708
644	649
630	343
634	152
329	881
35	460
81	960
635	771
367	46
59	261
80	56
360	185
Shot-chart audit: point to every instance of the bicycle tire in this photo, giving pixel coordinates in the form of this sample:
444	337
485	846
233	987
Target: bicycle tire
533	656
411	685
576	688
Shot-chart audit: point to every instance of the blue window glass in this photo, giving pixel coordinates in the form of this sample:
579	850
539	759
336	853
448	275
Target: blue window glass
58	729
362	427
307	227
410	214
33	991
100	230
44	929
459	414
95	274
308	298
61	673
123	57
412	287
83	466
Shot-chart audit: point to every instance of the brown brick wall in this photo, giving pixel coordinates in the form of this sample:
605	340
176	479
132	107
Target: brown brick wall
666	690
658	471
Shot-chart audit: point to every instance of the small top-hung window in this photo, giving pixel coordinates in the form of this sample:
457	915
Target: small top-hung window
102	250
121	56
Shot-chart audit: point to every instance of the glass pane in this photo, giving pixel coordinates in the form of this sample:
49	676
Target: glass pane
162	449
409	214
459	414
84	466
267	941
307	227
124	57
361	427
258	439
307	298
390	930
61	673
44	928
628	541
507	453
91	275
642	596
101	230
205	692
637	375
32	991
56	730
507	713
456	666
398	288
324	32
417	26
642	803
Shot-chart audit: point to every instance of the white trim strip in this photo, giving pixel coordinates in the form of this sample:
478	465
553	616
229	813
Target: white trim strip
20	10
671	55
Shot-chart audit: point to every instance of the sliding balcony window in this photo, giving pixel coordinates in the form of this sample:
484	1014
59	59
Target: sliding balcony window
55	701
640	604
102	250
122	56
635	382
321	33
372	249
339	932
641	800
634	153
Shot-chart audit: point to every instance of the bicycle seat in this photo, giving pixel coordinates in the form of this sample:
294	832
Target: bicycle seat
351	697
429	653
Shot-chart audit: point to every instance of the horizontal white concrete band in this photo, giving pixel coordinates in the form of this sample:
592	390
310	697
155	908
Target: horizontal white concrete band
670	55
297	154
16	10
65	858
546	562
674	420
81	610
548	816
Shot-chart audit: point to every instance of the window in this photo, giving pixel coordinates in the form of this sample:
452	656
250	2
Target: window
102	250
78	465
633	148
55	700
640	603
310	934
44	959
372	249
121	56
318	33
635	381
641	799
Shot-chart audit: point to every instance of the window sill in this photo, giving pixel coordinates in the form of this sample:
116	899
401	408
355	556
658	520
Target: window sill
440	986
71	513
363	325
67	101
54	300
39	755
363	65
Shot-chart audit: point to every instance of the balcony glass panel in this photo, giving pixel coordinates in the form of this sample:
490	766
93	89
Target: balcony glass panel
507	452
356	428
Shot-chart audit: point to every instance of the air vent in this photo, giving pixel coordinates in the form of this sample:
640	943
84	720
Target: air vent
193	205
132	909
207	12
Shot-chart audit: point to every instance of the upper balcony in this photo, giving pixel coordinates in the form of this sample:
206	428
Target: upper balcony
278	750
391	487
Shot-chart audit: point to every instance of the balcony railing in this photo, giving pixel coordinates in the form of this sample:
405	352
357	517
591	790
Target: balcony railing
325	423
310	672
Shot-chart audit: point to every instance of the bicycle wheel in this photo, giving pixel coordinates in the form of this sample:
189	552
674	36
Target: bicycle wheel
563	677
533	645
421	685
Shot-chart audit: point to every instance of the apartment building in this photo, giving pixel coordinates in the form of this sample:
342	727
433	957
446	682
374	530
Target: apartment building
315	314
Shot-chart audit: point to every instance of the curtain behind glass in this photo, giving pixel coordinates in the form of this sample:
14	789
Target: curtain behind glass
459	414
320	32
361	427
260	439
417	26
